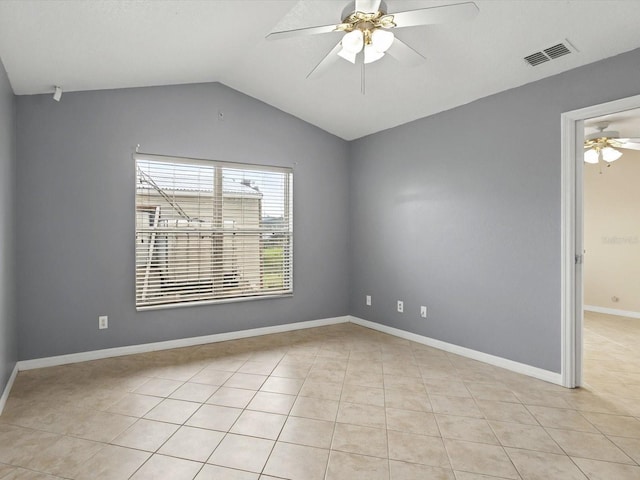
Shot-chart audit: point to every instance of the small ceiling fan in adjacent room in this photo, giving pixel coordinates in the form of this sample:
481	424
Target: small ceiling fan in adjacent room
367	36
605	145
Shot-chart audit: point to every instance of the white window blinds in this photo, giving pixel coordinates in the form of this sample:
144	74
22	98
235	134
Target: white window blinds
210	231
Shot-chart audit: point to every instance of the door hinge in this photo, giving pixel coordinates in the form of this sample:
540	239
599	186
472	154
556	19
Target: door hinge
579	259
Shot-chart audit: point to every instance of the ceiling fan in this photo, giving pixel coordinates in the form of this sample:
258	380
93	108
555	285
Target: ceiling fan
366	32
604	144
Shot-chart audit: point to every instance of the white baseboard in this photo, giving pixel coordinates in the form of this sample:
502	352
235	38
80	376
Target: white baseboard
611	311
7	388
517	367
182	342
539	373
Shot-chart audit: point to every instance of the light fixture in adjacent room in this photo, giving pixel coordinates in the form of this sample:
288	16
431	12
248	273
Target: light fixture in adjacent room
605	144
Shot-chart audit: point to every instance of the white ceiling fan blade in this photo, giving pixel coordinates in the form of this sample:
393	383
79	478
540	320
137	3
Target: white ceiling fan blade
630	145
326	62
404	53
435	15
367	6
301	32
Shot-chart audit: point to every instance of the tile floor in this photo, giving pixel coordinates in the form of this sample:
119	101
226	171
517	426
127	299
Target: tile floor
339	402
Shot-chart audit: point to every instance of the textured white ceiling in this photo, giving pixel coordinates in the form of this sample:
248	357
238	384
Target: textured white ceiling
91	44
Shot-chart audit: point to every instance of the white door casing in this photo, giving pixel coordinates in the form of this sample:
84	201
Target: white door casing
572	232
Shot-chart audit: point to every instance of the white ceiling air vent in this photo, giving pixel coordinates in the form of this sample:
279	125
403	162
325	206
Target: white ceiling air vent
551	53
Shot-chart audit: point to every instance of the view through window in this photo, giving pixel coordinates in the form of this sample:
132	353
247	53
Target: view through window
211	231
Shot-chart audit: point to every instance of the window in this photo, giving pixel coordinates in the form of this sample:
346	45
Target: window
210	231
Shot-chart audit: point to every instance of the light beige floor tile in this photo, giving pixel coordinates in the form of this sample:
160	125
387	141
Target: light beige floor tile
530	437
538	398
259	424
318	408
112	463
466	428
561	418
363	395
291	371
326	390
366	415
622	426
5	470
192	443
289	386
422	449
134	405
172	411
194	392
369	379
18	446
146	435
403	383
231	397
319	374
408	421
630	446
491	391
597	470
307	431
356	467
474	476
210	376
465	407
544	466
272	402
245	380
213	472
297	462
412	471
446	386
407	400
160	466
256	368
65	456
158	387
242	453
506	412
480	458
588	445
100	426
24	474
361	440
214	417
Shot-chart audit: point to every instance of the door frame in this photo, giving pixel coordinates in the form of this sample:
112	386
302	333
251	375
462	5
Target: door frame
572	133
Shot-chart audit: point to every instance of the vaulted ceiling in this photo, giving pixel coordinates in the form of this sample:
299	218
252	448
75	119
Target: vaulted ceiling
90	44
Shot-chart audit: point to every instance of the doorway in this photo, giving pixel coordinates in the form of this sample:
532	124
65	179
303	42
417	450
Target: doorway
572	298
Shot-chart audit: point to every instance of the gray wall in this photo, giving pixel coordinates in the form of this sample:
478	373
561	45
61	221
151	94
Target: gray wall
75	212
460	211
8	320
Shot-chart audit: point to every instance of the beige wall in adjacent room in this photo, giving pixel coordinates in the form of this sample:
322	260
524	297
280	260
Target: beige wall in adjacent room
612	233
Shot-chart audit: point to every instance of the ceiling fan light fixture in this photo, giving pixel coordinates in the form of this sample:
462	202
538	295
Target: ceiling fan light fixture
610	154
591	156
353	41
382	40
371	54
347	55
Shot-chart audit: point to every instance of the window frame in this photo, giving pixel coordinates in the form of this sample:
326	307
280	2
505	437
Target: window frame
288	195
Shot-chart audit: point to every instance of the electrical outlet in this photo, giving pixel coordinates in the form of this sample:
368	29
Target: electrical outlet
369	300
423	311
103	322
400	306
